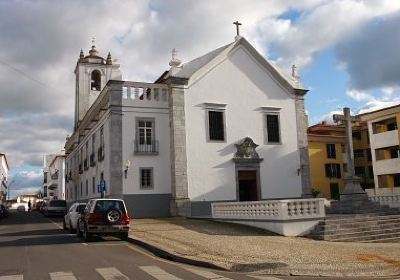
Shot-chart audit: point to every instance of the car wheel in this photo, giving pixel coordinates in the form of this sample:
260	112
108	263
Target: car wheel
124	236
113	215
86	235
78	230
71	229
64	225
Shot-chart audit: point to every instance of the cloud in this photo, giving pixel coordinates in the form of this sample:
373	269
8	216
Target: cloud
25	182
360	95
372	56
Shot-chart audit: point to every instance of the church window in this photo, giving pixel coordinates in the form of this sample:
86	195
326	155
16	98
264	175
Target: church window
331	150
273	130
216	126
95	80
146	178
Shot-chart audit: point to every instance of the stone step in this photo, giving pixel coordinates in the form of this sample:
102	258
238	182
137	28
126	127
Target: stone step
367	238
362	210
351	216
359	218
339	230
384	240
357	223
356	233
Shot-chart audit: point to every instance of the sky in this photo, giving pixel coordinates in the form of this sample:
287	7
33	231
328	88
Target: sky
346	53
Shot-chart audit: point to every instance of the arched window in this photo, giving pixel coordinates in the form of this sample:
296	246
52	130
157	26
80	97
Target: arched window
95	80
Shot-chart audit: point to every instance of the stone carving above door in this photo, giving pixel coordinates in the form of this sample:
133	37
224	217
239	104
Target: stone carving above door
246	151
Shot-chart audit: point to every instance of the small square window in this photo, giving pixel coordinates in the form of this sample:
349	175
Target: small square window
146	178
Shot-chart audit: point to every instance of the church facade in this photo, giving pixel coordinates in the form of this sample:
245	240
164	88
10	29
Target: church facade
227	126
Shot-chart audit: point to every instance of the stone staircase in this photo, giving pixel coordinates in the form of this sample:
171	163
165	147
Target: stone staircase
359	221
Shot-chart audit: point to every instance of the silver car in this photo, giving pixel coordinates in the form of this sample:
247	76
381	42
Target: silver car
71	218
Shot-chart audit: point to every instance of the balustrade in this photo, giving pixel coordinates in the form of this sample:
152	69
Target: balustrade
270	209
145	92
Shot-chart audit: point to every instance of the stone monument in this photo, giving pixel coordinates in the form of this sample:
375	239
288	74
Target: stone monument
352	188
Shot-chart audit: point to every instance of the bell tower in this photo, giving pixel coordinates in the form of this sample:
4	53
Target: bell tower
92	73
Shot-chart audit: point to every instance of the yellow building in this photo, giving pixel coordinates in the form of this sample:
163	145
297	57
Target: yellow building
327	157
327	160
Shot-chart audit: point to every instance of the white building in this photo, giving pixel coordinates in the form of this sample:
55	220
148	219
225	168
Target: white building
4	168
53	176
226	126
384	137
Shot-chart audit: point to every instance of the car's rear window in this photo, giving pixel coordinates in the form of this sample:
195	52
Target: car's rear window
58	203
80	208
105	205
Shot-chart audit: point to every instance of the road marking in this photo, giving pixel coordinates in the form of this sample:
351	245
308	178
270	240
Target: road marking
62	275
158	273
264	277
206	274
12	277
111	273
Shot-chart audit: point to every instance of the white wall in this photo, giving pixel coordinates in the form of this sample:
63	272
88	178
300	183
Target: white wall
244	85
157	110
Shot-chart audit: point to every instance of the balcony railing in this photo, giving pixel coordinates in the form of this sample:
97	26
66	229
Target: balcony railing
100	153
80	168
92	160
144	149
54	176
85	164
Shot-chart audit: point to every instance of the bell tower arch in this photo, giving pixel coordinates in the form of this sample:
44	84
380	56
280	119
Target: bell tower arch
92	73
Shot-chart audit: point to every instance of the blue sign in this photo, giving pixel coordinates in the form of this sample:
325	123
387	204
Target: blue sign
102	187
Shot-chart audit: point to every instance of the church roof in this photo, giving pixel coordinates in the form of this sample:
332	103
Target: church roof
191	67
187	70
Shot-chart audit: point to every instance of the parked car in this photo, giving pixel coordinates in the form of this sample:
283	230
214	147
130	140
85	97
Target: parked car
21	208
3	211
55	207
71	218
104	217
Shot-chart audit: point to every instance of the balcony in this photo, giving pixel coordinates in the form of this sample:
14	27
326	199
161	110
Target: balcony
146	149
100	153
85	164
92	160
54	176
385	139
387	166
53	186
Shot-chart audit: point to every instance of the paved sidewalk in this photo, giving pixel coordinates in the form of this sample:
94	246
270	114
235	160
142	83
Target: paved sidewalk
240	248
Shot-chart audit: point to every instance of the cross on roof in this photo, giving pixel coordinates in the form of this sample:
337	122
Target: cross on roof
237	27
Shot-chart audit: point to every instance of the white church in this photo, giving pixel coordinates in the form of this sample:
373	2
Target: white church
226	126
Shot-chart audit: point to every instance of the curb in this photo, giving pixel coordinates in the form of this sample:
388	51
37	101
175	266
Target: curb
172	257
